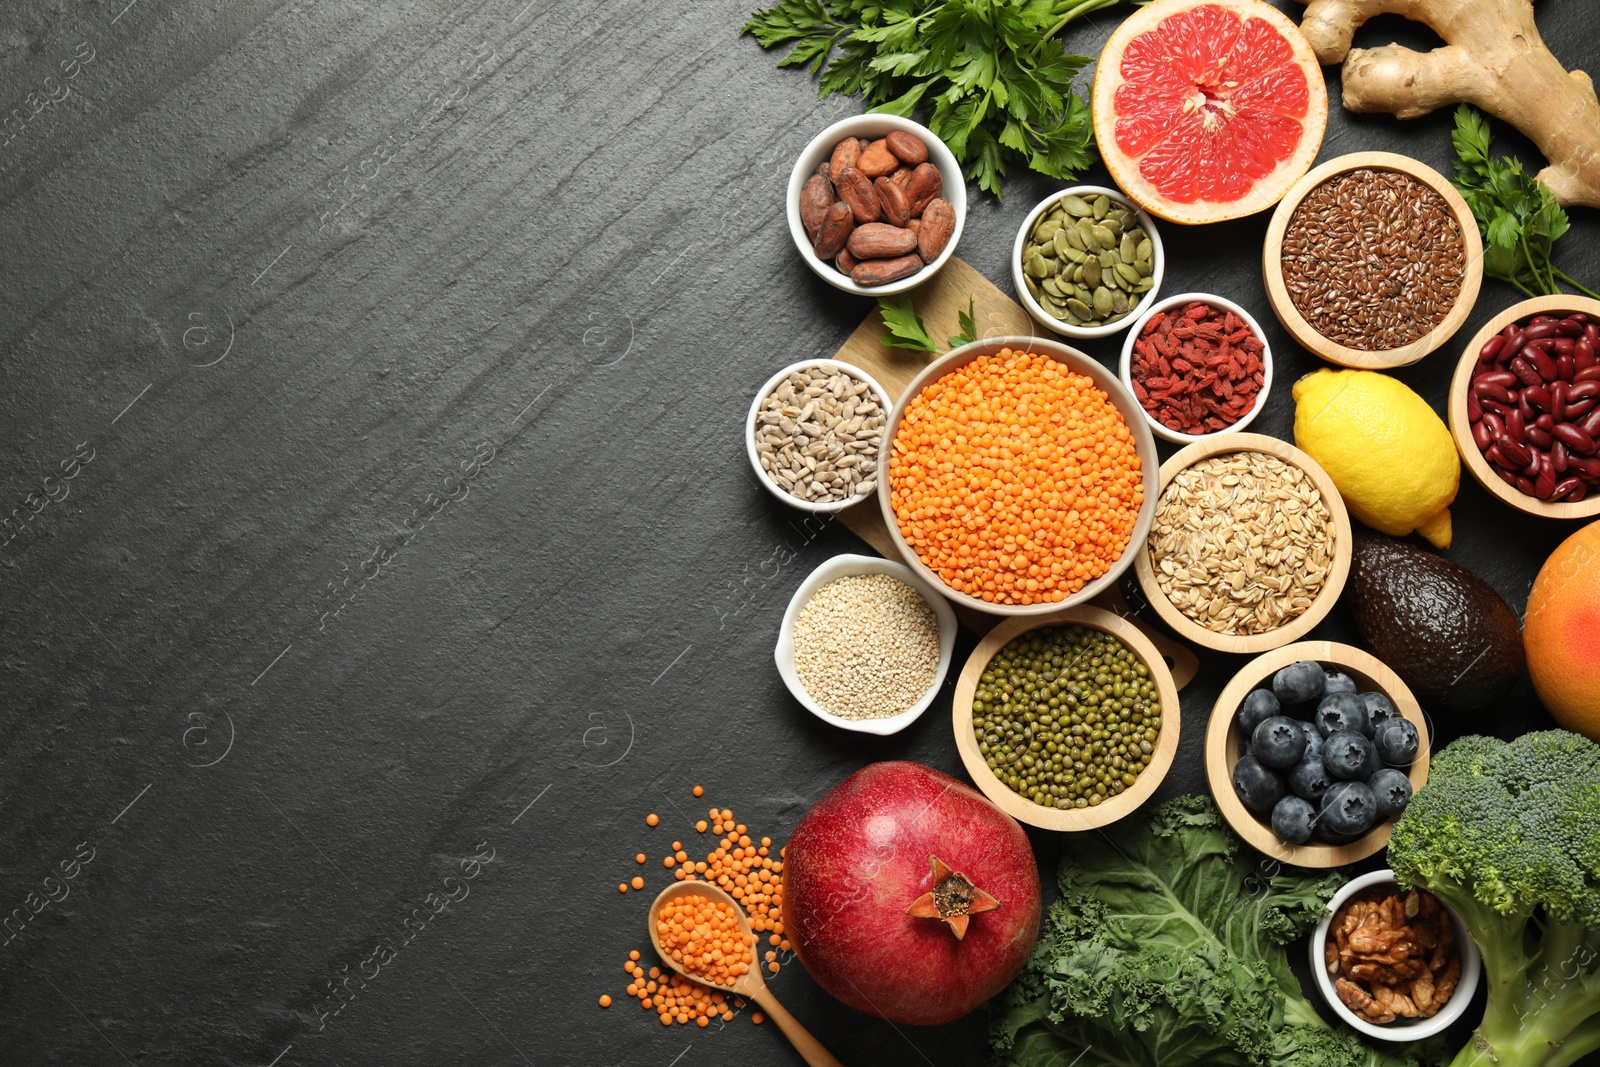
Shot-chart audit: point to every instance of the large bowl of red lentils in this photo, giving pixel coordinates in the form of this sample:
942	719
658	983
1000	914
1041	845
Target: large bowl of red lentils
1021	476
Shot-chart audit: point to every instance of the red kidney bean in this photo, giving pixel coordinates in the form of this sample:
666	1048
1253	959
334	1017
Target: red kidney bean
1481	436
1542	365
1583	391
1577	409
1506	476
1583	354
1570	327
1563	346
1515	453
1492	454
1474	409
1499	377
1591	424
1558	456
1575	438
1491	348
1514	341
1564	487
1525	405
1538	396
1566	367
1539	330
1539	439
1545	423
1592	331
1524	370
1578	493
1588	374
1525	484
1493	391
1558	401
1497	425
1587	466
1544	486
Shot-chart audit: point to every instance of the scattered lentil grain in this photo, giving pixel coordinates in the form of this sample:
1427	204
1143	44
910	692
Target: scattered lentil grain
866	646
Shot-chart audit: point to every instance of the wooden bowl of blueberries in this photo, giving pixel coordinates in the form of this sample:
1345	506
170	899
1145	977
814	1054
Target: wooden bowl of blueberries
1312	752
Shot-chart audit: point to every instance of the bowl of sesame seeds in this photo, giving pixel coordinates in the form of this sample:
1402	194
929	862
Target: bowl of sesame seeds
866	644
1372	260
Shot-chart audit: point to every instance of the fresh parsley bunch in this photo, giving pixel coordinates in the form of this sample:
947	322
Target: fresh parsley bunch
987	75
1517	213
906	329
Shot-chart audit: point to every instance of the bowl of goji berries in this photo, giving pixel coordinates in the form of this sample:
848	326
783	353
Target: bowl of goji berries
1199	365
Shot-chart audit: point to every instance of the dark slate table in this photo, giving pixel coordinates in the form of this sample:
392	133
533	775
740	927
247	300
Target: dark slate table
402	350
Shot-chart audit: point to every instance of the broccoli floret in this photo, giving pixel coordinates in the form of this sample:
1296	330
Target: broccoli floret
1508	834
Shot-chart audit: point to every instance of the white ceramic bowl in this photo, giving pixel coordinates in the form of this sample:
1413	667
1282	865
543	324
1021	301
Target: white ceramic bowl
1049	321
755	409
872	127
1126	367
1117	395
843	566
1400	1029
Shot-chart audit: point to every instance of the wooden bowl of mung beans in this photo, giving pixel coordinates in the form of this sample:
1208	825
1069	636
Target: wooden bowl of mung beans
1110	713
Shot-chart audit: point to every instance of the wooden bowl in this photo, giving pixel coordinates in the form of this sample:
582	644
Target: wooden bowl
1189	630
1296	324
1222	749
1013	803
1119	397
1461	428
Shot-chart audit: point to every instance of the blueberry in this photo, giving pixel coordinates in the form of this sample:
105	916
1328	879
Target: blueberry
1349	808
1393	791
1379	708
1347	754
1336	681
1309	779
1299	683
1258	707
1258	787
1279	742
1313	742
1396	742
1291	820
1341	711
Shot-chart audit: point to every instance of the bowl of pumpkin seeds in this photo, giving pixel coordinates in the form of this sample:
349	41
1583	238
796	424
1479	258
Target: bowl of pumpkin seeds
1086	261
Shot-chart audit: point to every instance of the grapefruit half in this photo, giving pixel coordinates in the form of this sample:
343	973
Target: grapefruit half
1208	110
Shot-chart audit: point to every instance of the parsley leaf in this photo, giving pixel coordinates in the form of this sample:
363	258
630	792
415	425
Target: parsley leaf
1517	213
969	326
987	76
904	325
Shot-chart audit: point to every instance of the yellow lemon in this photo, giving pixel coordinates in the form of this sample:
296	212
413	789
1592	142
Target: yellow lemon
1392	458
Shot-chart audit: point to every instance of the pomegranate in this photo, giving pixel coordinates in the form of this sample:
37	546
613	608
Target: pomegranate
908	895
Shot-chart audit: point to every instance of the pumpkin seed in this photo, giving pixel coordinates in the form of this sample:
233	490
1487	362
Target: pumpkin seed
1102	204
1128	274
1088	261
1127	251
1080	309
1074	238
1060	243
1102	302
1091	272
1146	251
1048	229
1090	241
1076	205
1106	238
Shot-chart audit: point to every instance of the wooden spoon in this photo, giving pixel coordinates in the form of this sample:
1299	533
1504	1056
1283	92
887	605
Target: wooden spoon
750	985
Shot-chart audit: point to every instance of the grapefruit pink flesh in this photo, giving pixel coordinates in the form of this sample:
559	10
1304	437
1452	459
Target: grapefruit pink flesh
1210	104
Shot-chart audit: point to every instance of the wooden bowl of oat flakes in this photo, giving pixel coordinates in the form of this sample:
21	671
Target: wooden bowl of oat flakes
1250	544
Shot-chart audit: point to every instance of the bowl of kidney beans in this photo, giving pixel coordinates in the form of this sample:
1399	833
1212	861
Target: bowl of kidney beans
1525	406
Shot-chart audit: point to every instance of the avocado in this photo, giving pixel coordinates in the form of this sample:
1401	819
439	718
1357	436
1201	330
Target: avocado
1441	628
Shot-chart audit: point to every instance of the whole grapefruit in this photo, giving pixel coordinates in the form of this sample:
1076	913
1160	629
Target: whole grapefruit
1562	632
1207	110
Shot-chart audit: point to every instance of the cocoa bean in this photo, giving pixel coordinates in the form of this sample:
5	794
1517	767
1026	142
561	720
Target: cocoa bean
938	223
815	200
846	154
896	205
906	147
902	177
884	271
926	184
834	231
857	190
879	240
877	160
845	261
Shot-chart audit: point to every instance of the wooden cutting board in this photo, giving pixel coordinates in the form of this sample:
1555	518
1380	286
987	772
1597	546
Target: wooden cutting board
940	301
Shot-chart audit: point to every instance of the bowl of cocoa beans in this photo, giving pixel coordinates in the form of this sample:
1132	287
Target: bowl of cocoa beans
876	204
1525	406
1199	365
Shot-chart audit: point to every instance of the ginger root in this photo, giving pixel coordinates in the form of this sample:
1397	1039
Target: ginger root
1493	59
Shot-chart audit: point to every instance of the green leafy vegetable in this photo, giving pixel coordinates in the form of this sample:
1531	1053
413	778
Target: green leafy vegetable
1508	834
904	325
1516	212
987	76
1166	949
907	330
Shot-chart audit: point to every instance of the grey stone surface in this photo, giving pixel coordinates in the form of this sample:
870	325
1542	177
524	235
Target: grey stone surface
410	343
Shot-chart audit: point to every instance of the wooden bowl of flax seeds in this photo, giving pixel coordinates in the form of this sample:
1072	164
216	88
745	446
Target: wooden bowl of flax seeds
1372	260
1250	545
